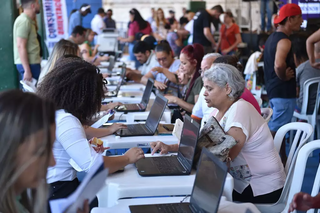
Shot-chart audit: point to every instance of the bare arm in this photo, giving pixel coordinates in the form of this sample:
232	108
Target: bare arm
23	54
208	35
101	132
280	65
314	38
218	45
240	137
185	105
129	39
85	51
145	78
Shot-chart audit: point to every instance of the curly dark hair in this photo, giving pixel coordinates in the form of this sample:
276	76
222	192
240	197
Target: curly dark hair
75	86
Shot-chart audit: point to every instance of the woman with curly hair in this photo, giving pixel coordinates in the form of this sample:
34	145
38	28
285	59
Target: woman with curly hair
76	88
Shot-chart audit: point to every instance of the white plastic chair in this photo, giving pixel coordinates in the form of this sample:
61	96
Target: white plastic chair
266	113
314	117
303	133
29	86
299	171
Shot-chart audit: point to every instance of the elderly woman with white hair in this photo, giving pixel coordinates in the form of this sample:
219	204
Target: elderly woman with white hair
255	165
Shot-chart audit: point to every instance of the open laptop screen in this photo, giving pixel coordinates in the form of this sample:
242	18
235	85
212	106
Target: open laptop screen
156	112
209	183
147	92
188	141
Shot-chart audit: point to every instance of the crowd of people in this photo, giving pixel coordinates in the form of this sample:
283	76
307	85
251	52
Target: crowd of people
200	77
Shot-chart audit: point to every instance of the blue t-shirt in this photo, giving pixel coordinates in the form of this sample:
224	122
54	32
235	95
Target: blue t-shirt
173	68
171	38
74	20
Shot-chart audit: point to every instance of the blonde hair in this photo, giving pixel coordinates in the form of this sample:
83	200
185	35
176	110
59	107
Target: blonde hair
21	116
63	47
164	21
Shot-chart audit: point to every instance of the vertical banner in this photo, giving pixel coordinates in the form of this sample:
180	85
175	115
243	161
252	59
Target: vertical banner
56	21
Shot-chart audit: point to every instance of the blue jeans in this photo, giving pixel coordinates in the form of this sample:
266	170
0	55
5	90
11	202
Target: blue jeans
283	109
266	6
35	70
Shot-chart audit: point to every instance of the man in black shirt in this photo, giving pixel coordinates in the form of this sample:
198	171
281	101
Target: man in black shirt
279	68
201	27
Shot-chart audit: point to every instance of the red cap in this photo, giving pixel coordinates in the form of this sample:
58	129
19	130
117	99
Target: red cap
287	11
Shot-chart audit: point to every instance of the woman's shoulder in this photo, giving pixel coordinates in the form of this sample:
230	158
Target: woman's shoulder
64	116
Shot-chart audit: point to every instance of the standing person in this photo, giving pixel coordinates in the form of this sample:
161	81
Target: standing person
312	40
76	17
25	43
279	69
97	23
266	6
137	25
174	39
172	15
201	27
229	36
158	25
153	14
110	23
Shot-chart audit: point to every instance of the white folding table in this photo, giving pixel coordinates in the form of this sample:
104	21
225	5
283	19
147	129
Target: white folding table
129	183
131	99
122	206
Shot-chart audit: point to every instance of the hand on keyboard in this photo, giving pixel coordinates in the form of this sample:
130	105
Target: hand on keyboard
134	154
159	146
116	126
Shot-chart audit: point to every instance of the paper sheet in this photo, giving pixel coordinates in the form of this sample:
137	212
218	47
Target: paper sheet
102	120
89	187
177	129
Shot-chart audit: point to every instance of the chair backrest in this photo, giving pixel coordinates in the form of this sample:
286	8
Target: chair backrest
306	95
303	133
28	86
266	113
299	170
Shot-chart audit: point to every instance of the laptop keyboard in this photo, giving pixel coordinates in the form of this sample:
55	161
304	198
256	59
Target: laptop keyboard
171	208
138	128
166	165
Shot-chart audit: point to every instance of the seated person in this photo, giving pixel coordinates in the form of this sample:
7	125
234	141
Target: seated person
174	39
78	35
166	60
254	163
190	58
86	50
26	154
147	59
76	88
61	48
305	71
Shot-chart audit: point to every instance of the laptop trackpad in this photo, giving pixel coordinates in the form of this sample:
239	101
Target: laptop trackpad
146	166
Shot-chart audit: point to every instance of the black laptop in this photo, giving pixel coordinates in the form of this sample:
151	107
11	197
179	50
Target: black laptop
180	164
151	125
142	106
206	193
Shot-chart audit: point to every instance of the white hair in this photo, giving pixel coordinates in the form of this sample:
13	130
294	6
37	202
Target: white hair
222	74
209	55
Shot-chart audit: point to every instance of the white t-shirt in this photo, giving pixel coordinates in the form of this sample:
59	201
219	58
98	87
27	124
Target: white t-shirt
71	143
173	68
150	63
201	109
189	28
258	162
97	24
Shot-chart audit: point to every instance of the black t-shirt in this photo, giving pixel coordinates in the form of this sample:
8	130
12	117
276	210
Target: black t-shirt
277	88
202	19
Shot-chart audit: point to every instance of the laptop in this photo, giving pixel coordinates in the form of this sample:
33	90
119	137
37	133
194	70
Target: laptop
206	193
151	125
142	106
122	74
180	164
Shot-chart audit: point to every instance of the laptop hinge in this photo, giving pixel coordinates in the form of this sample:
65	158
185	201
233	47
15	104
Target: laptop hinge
182	162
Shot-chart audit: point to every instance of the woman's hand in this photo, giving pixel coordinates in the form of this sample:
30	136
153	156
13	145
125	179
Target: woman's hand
116	126
171	99
121	39
159	146
98	148
104	58
157	69
159	85
114	104
302	202
225	51
134	154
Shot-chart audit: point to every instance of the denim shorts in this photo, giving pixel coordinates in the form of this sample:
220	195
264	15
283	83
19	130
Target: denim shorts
283	109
